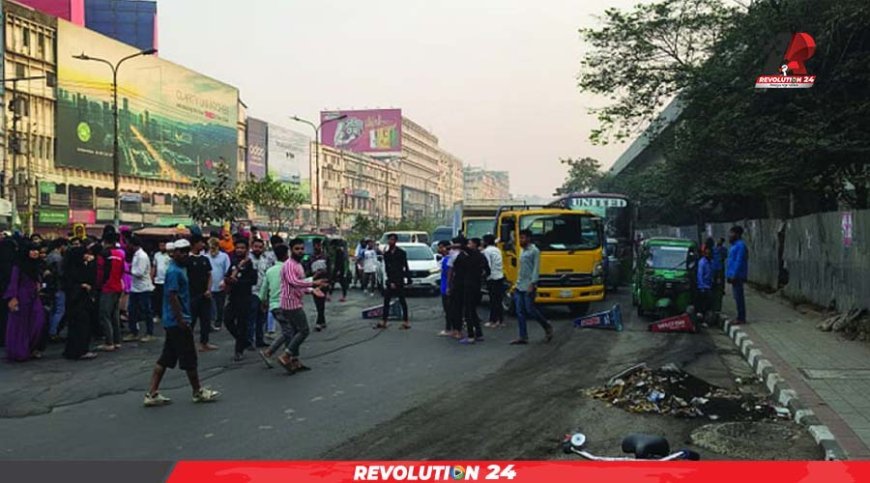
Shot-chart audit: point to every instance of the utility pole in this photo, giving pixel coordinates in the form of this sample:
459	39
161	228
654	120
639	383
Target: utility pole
316	128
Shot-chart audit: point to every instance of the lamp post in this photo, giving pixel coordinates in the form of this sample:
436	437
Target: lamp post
116	162
316	128
17	146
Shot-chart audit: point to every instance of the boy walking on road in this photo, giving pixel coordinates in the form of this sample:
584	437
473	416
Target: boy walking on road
178	346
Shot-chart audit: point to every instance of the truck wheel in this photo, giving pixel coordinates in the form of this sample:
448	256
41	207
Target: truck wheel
579	310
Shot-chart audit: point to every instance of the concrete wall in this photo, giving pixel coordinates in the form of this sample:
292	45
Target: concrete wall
821	268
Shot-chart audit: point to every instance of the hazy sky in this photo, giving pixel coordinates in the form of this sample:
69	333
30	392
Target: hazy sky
495	80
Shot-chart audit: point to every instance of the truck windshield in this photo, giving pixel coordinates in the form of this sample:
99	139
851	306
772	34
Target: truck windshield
563	232
668	258
478	228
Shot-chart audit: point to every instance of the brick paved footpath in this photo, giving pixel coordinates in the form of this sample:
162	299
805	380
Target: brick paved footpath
830	374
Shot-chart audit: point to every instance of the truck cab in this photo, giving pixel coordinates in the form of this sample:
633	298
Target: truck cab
572	245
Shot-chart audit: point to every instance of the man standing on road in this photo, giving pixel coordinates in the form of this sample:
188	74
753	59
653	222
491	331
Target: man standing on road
257	320
705	280
292	316
527	279
473	270
220	268
737	270
320	272
158	273
370	268
178	347
242	277
456	285
199	275
141	293
111	272
397	275
444	251
495	282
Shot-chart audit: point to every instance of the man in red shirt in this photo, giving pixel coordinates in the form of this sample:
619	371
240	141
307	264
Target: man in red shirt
111	274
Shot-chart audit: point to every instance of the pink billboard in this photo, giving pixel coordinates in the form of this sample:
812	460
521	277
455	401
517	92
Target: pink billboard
376	131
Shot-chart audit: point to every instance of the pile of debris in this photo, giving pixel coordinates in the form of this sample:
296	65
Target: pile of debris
671	391
854	324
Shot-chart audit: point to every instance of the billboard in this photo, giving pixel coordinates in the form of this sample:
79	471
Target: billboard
256	159
377	131
174	124
289	157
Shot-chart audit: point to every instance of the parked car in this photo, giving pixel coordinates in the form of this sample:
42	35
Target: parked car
424	265
405	237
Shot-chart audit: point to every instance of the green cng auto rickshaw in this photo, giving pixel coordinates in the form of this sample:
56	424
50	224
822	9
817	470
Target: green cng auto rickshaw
664	276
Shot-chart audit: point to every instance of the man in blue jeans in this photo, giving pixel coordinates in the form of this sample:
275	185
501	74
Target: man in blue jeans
737	270
524	296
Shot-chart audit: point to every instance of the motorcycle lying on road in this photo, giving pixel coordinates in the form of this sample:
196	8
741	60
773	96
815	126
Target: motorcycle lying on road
643	446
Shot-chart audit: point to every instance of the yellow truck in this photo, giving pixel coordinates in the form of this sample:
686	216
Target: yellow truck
572	253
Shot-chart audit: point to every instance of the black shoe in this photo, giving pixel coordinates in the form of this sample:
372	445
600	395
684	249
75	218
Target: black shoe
238	357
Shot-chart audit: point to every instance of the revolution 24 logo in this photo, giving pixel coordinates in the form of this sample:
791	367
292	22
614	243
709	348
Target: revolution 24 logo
793	72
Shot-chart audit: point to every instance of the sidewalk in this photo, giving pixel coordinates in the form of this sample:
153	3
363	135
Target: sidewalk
831	375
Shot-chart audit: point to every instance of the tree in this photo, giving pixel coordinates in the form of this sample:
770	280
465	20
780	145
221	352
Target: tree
278	200
583	175
214	199
642	58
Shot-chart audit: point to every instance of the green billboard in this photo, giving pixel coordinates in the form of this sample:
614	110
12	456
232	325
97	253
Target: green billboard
174	124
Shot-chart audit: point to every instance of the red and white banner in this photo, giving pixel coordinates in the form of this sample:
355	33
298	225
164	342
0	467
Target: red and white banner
520	471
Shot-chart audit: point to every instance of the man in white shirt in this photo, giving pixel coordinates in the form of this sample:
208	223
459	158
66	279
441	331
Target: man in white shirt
158	275
141	289
370	268
495	282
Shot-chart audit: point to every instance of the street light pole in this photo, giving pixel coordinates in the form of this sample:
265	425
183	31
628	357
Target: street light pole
316	128
116	159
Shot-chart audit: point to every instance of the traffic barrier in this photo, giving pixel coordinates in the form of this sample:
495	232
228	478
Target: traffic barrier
377	312
609	319
679	323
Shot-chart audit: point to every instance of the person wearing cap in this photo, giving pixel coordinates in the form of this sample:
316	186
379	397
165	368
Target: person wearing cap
178	346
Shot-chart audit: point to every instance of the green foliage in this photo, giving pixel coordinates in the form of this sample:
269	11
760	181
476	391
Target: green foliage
214	200
735	148
583	175
641	58
278	200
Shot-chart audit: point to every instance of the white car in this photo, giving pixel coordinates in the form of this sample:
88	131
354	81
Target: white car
425	267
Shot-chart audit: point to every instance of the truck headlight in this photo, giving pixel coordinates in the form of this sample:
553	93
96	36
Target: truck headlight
598	270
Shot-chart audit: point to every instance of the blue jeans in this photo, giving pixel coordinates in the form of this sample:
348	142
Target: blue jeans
525	306
739	299
57	312
256	322
139	309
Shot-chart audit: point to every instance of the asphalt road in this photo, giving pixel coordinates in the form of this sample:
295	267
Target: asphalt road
371	394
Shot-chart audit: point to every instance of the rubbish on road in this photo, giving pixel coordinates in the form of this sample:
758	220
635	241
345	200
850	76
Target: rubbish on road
679	323
782	412
655	396
377	312
609	319
626	372
670	367
671	391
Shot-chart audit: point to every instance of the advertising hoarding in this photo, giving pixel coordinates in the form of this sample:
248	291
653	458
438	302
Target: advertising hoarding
376	131
174	124
288	158
256	162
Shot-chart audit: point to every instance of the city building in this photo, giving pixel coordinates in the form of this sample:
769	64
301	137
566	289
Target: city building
481	184
454	179
421	172
133	22
63	167
356	183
